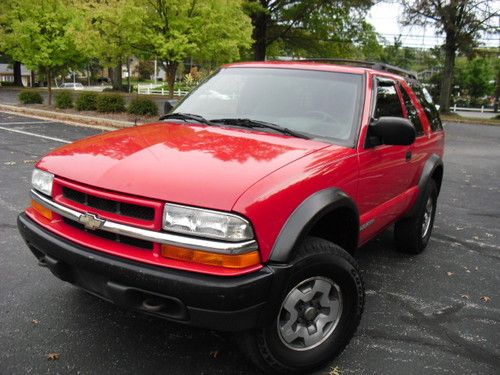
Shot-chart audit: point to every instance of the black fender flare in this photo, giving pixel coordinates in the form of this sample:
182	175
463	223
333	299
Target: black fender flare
303	218
430	167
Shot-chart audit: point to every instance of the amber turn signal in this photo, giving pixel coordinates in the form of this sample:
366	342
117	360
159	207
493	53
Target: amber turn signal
211	259
42	210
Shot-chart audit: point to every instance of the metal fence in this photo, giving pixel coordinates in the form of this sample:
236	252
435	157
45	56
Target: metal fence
152	89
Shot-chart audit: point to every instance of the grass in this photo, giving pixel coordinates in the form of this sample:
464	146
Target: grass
453	117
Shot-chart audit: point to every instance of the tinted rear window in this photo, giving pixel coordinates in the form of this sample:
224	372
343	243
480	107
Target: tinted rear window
413	115
429	107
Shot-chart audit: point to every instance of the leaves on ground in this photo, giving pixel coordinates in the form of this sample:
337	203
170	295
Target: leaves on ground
465	296
35	321
485	298
214	353
335	371
449	273
53	356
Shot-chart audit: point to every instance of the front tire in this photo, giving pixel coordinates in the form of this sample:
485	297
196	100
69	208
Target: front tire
412	234
319	312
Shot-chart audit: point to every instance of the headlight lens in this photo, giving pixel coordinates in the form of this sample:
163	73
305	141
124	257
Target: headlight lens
42	181
206	223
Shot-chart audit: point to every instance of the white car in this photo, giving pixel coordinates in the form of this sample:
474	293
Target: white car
74	86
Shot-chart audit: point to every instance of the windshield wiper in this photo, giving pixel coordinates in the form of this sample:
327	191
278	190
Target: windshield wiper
249	123
187	117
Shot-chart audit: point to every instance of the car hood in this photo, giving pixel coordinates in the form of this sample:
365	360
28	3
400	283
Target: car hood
192	164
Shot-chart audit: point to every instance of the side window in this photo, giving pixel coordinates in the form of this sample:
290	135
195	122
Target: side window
387	101
413	115
430	110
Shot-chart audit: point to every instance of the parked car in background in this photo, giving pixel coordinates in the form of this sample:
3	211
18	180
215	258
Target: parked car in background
71	86
243	208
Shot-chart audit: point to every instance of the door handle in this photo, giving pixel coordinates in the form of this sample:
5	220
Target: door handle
408	155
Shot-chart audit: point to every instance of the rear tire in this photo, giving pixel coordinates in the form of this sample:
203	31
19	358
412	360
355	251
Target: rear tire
412	234
319	312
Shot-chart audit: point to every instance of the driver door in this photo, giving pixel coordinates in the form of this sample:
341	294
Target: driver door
385	176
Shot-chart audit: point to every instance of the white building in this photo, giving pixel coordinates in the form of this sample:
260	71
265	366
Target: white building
7	74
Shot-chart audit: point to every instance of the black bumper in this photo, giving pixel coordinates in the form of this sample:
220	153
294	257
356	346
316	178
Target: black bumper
221	303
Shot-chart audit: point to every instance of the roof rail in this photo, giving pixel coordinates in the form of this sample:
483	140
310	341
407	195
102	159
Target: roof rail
364	64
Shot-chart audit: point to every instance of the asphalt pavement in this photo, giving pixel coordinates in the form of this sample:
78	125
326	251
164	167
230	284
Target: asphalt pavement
435	313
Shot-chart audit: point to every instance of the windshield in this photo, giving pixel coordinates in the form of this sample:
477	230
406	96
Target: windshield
317	103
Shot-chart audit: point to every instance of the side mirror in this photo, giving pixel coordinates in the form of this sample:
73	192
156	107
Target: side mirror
395	131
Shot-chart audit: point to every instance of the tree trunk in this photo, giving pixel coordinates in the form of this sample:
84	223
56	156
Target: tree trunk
171	69
117	78
497	90
260	22
447	80
18	78
128	74
49	85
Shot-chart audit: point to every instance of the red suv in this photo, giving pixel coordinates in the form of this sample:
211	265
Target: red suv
242	208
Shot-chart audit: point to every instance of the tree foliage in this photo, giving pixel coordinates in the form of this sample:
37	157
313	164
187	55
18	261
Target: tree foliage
40	34
311	27
213	30
461	21
112	31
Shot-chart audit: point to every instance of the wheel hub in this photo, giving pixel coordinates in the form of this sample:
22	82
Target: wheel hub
310	313
426	223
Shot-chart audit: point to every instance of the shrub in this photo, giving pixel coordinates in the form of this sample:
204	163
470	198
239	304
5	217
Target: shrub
87	101
30	97
64	100
110	103
142	107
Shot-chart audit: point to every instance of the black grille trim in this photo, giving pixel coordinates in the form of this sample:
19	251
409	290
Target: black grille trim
136	242
126	209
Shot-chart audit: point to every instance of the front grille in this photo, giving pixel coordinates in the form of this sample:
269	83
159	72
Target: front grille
147	245
109	205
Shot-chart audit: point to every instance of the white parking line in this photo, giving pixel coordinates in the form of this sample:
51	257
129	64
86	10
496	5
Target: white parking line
35	135
25	122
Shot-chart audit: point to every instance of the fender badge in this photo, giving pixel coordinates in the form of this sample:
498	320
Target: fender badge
91	221
366	225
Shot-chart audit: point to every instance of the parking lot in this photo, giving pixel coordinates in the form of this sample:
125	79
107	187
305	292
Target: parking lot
436	313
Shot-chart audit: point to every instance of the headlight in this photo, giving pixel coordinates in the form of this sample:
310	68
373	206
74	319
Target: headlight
206	223
42	181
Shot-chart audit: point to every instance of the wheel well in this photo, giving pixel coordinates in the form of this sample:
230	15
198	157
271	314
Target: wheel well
437	176
341	226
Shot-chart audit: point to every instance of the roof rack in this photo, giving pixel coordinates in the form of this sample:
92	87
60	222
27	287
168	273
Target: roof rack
363	64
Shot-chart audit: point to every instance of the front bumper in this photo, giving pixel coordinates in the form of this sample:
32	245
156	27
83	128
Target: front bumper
222	303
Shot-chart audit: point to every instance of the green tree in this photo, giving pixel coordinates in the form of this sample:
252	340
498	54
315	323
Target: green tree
396	54
310	27
112	31
461	21
207	30
478	74
40	35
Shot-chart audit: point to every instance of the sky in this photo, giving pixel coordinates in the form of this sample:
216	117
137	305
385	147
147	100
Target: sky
385	18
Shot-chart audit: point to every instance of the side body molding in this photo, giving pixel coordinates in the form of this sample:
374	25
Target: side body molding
309	212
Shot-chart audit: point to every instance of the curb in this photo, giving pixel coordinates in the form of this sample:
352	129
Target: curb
464	122
66	117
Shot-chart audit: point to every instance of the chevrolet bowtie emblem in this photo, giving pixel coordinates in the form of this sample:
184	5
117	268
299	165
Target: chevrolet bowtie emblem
91	221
